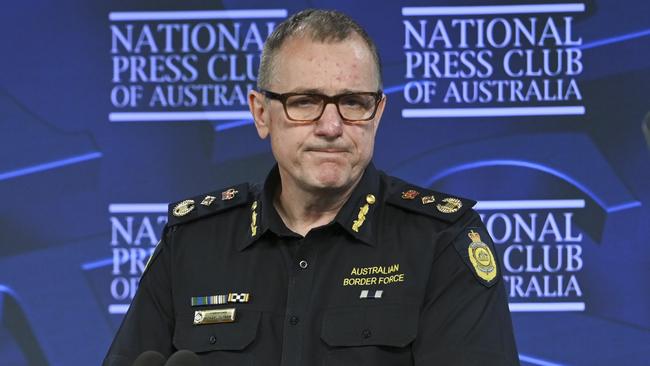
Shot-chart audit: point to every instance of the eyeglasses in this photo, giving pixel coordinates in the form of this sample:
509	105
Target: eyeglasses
309	107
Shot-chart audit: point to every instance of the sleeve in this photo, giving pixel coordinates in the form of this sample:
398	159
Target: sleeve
148	324
465	320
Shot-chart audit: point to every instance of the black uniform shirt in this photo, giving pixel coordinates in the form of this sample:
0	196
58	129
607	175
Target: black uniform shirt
402	276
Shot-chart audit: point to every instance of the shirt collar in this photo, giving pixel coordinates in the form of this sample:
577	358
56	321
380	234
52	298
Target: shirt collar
354	217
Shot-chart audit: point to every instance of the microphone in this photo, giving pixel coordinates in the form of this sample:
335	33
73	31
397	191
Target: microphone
150	358
184	358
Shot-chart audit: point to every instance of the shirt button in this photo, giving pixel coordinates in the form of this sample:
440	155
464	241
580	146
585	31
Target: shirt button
303	264
294	320
213	339
366	333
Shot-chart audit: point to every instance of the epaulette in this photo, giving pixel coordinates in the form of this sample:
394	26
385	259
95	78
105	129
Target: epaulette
427	202
207	204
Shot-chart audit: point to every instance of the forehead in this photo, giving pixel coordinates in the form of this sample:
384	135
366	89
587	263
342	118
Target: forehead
332	67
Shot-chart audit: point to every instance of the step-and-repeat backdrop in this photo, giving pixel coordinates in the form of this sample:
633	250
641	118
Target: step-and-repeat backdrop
536	109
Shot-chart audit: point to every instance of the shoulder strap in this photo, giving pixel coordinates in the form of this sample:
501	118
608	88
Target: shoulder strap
207	204
440	205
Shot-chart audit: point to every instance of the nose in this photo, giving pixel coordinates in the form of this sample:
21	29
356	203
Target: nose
330	124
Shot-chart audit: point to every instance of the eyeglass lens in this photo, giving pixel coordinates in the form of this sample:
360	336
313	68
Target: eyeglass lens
353	107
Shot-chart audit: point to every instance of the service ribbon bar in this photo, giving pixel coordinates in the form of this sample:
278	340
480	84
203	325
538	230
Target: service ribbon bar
209	300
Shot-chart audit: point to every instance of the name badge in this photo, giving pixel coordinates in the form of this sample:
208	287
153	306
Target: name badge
214	316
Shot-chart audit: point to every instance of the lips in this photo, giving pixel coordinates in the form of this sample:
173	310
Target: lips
332	150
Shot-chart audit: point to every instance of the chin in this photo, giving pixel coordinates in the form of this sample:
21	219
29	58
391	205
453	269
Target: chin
330	182
331	177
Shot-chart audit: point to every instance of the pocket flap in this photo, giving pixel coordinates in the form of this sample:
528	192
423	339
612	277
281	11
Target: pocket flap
385	325
233	336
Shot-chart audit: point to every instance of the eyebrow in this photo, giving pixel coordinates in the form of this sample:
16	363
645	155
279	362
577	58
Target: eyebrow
321	91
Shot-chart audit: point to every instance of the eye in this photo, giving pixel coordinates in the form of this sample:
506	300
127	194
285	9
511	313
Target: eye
354	101
303	101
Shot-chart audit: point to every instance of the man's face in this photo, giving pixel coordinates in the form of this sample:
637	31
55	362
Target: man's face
329	153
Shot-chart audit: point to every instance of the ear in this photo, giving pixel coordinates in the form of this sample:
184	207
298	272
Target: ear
258	108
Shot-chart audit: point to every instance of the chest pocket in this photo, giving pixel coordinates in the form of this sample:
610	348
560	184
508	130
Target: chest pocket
378	335
232	339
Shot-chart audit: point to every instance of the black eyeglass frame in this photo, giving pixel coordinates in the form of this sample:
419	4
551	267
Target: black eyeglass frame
327	99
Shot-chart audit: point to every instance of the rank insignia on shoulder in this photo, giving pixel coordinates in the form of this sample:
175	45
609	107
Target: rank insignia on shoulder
450	205
428	199
410	194
228	194
478	255
448	208
189	210
183	208
207	201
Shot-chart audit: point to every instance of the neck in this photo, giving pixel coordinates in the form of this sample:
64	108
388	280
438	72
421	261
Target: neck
302	210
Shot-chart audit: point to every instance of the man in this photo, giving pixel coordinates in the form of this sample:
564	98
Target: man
331	262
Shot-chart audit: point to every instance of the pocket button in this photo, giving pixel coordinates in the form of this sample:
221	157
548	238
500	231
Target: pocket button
366	333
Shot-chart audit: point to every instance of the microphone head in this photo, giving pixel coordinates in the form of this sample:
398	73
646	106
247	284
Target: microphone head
150	358
184	358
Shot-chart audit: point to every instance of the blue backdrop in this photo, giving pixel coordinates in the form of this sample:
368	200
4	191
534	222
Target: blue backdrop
110	109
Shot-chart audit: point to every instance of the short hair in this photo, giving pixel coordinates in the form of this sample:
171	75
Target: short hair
319	25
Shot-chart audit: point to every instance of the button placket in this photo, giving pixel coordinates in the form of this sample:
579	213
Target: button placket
298	298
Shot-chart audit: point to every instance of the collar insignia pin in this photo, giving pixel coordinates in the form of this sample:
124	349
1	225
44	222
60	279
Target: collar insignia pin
363	210
254	219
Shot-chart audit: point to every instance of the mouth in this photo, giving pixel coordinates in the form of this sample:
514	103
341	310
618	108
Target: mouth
327	150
